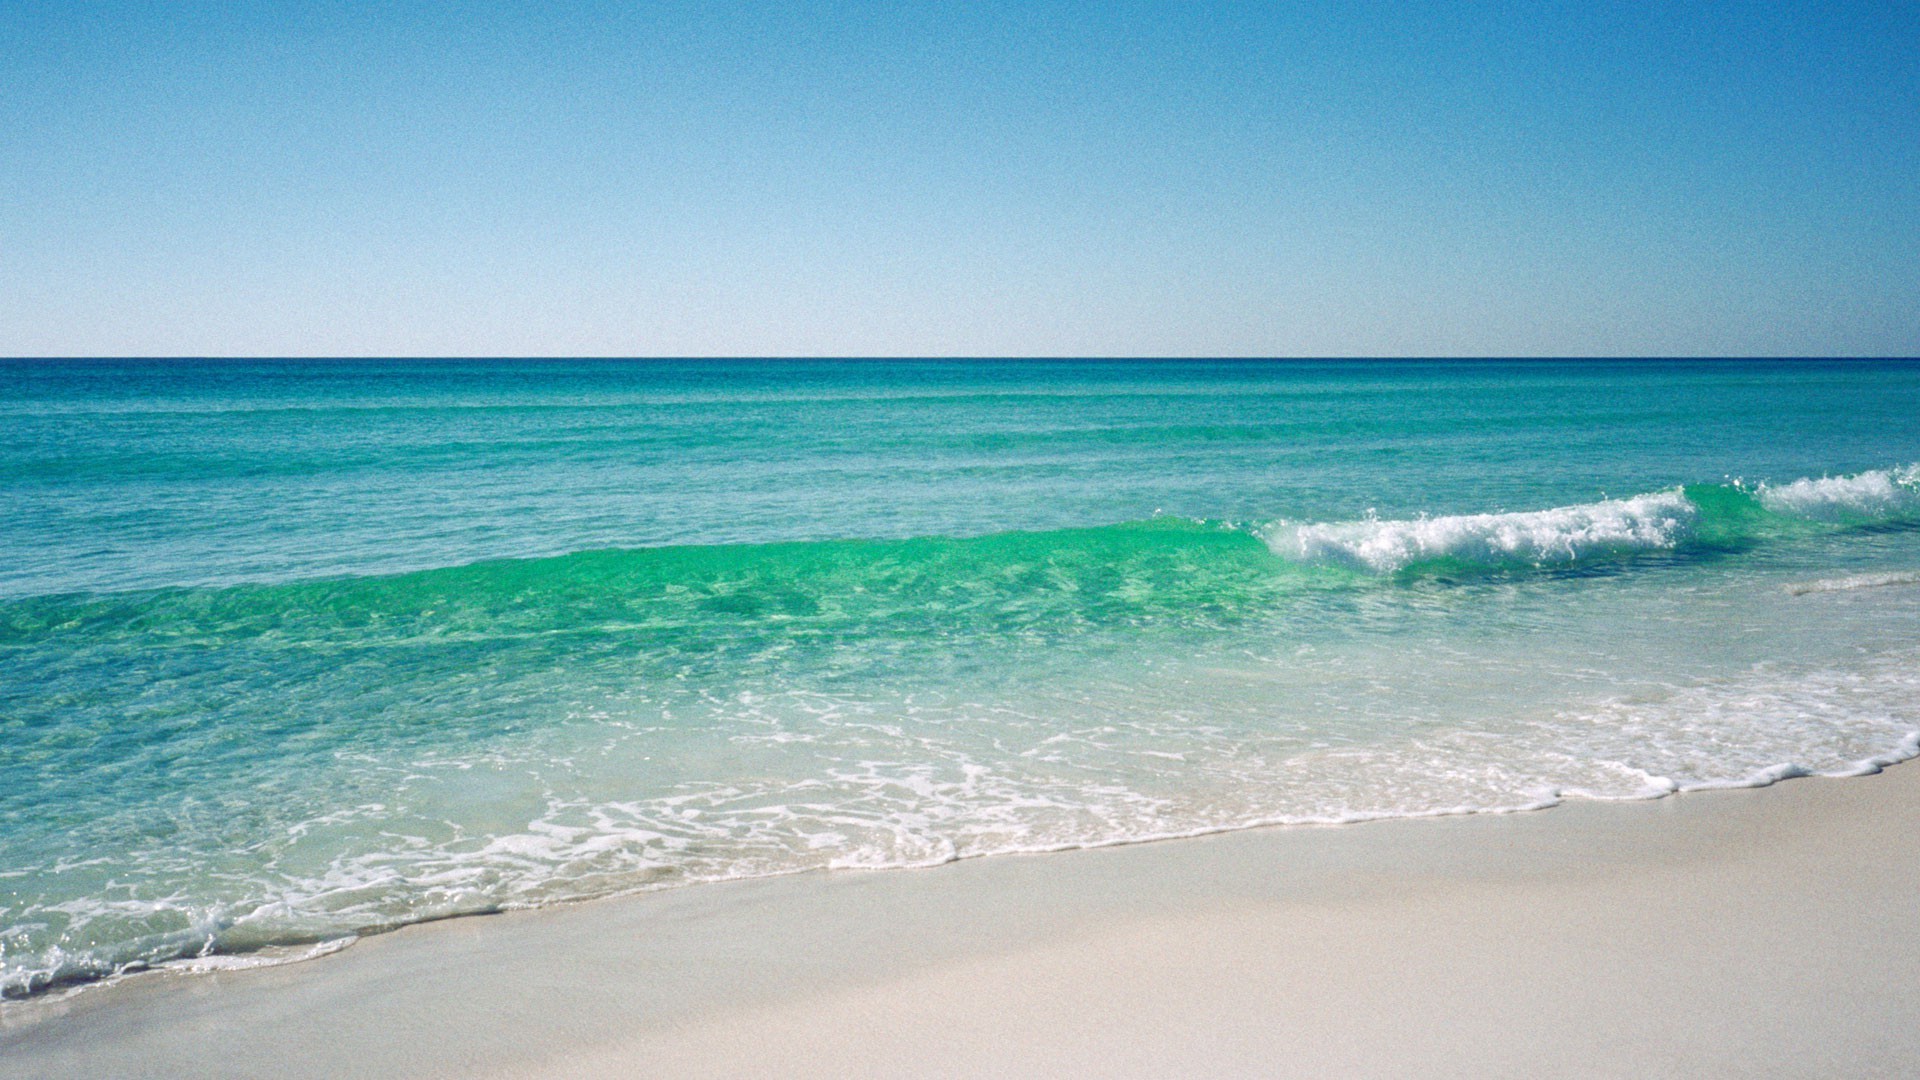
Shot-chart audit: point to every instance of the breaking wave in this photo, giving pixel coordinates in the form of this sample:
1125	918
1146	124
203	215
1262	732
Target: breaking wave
1562	535
1701	516
1863	497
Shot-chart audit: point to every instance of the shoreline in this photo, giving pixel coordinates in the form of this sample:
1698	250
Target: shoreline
299	952
1697	933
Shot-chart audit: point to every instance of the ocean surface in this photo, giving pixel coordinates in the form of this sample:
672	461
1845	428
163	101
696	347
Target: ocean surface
292	652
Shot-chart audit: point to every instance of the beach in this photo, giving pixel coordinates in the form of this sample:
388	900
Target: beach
743	718
813	540
1757	932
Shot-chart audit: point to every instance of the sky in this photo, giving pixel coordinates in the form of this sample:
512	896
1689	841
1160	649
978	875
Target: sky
964	179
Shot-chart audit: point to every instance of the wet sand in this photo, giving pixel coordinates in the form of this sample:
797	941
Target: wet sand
1765	932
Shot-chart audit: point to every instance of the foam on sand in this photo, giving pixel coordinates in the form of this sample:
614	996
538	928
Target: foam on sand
1694	935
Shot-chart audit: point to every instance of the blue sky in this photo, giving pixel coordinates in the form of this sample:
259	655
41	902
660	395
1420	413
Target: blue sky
959	179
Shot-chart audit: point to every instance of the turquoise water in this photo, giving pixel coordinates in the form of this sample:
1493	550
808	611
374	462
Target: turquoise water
296	651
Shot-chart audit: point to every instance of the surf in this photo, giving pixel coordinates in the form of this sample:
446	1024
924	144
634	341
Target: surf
278	764
1693	518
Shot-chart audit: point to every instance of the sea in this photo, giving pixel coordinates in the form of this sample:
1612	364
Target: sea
294	651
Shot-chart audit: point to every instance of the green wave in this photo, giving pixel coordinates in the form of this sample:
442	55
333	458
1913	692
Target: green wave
736	601
676	610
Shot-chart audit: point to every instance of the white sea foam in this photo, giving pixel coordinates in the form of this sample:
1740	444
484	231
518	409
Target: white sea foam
1561	535
1878	493
269	957
1855	581
1145	747
881	814
1753	731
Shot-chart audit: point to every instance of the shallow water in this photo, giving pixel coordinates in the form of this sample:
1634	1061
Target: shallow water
293	651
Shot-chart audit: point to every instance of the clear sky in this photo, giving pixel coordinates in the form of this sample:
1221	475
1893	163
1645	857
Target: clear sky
562	178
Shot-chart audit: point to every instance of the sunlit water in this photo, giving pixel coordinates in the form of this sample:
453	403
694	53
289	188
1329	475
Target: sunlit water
290	652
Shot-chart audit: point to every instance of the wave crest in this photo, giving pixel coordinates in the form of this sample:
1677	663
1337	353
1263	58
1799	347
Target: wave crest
1563	535
1876	494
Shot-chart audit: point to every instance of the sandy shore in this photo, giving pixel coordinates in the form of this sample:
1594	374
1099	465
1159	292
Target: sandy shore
1740	933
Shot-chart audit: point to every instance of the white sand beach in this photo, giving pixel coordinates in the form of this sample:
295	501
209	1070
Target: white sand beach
1738	933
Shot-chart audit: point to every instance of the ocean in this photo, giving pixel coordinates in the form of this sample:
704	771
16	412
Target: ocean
296	651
